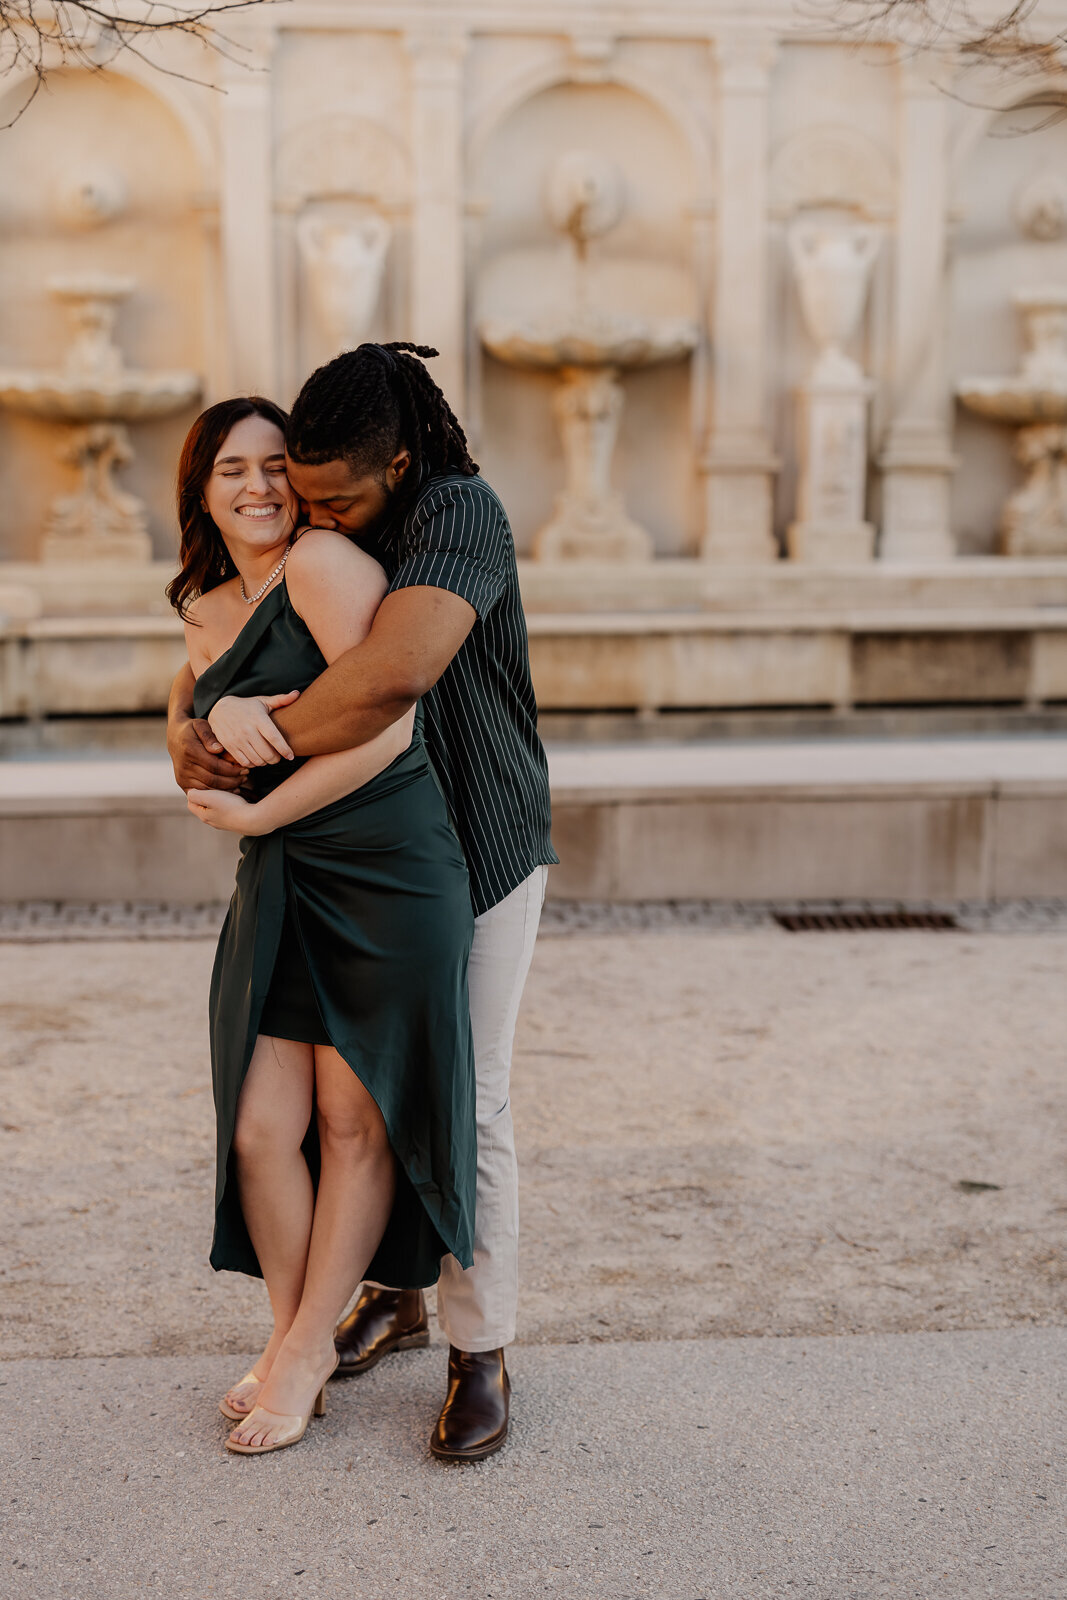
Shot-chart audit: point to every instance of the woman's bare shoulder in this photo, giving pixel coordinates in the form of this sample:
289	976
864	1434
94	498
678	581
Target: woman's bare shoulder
214	605
208	621
322	556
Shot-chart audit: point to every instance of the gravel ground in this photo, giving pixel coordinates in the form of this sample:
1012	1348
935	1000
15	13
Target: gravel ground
734	1131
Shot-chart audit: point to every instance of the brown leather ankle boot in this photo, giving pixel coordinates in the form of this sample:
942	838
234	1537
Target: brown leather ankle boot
381	1320
474	1420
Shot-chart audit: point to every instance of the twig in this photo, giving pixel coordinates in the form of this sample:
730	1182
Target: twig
37	36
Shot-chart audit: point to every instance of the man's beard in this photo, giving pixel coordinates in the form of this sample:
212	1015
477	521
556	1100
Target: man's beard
373	529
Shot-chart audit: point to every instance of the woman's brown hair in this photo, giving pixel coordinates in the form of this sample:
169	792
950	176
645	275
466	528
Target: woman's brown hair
202	554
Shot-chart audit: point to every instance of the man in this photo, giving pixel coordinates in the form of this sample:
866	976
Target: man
374	451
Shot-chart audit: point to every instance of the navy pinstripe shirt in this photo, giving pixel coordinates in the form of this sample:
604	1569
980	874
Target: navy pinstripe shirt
480	715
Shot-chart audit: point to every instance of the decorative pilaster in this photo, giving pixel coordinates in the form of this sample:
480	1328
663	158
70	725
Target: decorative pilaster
247	217
739	462
917	461
438	309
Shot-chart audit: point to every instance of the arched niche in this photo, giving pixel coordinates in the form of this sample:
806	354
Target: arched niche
338	173
107	127
1009	232
665	183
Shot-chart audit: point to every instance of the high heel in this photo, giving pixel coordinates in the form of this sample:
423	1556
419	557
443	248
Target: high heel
230	1412
293	1427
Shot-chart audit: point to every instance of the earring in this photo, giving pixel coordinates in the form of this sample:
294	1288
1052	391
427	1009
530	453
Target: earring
223	568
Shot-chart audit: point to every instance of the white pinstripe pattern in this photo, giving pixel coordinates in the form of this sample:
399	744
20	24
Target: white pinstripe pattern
480	716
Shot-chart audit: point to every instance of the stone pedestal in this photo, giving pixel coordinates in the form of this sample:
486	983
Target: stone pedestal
100	517
590	522
1034	519
830	529
917	469
739	472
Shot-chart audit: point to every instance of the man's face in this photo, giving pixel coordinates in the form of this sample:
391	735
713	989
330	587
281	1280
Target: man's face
336	497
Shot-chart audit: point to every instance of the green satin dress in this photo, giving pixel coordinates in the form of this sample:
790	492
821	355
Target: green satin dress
356	921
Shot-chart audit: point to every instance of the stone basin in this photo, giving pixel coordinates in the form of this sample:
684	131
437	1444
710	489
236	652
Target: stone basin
95	384
1038	393
588	338
1014	400
128	396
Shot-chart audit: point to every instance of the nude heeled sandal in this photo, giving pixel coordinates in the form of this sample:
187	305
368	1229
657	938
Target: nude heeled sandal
293	1430
230	1412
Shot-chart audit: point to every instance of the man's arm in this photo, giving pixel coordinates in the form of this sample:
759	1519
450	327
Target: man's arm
415	634
198	758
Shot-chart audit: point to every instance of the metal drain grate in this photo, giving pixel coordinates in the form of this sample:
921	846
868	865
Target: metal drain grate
865	921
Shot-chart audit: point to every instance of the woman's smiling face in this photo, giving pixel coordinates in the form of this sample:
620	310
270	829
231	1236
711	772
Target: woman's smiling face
247	494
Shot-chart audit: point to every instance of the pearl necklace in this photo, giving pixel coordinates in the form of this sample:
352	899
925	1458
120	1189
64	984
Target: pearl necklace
250	600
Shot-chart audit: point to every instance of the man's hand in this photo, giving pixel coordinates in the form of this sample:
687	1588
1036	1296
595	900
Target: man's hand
243	727
199	760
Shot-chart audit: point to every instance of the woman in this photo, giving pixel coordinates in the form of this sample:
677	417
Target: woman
340	1030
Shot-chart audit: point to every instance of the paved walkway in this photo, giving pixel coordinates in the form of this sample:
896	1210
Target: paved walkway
928	1465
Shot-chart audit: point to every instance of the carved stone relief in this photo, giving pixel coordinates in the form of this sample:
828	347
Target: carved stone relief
91	196
341	155
1041	206
831	165
343	260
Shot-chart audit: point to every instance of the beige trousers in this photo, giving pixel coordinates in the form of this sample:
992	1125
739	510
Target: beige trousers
476	1308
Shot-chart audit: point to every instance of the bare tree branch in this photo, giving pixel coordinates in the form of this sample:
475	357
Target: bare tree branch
37	36
1009	36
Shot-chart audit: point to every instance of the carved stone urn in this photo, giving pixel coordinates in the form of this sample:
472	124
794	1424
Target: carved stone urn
832	263
343	260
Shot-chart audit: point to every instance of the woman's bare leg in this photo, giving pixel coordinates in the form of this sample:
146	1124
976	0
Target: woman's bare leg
277	1197
355	1196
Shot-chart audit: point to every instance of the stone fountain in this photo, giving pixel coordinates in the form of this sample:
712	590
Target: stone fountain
588	320
97	393
1034	519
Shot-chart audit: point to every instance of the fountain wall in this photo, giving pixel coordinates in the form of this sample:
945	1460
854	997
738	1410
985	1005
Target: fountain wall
370	171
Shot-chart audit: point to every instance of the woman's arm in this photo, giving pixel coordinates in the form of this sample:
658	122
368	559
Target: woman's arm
320	781
336	588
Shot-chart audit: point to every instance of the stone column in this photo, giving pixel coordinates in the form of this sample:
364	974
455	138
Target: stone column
438	300
247	215
738	459
917	461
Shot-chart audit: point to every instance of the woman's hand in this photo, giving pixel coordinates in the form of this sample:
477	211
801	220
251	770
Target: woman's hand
243	726
227	811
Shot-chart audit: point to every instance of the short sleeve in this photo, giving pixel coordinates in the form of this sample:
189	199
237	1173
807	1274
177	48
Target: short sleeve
458	541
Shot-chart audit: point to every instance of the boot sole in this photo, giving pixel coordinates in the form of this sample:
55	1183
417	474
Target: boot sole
479	1453
407	1341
